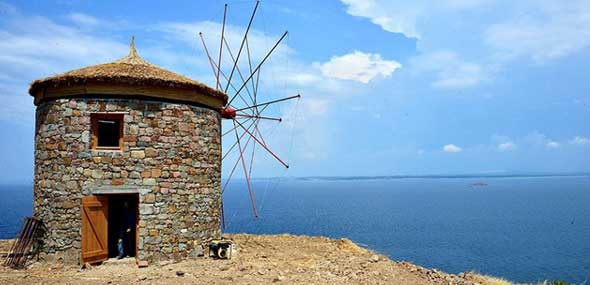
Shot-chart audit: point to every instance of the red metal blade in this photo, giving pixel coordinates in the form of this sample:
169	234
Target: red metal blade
246	174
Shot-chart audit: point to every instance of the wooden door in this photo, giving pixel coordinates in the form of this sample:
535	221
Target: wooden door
95	212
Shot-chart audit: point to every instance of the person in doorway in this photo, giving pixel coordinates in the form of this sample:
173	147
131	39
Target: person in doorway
124	242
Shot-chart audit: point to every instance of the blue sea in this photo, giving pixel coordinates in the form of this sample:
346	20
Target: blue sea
521	228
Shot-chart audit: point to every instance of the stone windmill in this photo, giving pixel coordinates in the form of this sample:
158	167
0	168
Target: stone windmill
128	154
126	138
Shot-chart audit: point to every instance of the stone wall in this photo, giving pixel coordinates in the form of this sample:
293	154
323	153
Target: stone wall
171	153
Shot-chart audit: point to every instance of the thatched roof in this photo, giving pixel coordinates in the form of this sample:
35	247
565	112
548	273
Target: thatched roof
131	70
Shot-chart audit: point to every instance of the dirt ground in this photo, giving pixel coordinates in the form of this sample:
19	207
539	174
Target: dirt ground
258	259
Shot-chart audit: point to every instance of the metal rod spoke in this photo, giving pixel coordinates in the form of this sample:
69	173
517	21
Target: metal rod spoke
258	67
230	175
233	169
243	134
235	143
247	142
207	51
269	102
260	117
256	88
218	86
229	131
250	66
232	86
260	135
215	66
238	70
263	145
252	158
242	44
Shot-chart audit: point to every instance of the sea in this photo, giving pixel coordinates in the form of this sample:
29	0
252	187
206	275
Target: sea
525	228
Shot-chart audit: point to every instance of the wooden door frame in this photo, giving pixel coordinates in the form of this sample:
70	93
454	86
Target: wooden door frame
107	198
137	228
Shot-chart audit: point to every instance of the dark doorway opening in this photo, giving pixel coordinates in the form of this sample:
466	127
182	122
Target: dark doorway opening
123	218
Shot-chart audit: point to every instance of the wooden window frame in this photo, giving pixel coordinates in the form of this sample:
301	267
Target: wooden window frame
106	116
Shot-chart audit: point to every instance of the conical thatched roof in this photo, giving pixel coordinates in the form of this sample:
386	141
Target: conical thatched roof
130	71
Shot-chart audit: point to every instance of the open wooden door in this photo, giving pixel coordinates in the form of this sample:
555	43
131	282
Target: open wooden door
95	212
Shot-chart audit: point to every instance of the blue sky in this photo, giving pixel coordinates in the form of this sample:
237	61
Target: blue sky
390	87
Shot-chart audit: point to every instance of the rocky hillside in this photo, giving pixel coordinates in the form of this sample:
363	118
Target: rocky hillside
258	259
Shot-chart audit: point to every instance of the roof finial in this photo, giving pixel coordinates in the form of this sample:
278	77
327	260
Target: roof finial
132	50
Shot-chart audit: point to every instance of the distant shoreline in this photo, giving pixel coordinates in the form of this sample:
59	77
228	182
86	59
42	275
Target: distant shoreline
394	177
425	176
441	176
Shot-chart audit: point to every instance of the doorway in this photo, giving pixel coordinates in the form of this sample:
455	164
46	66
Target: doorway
122	224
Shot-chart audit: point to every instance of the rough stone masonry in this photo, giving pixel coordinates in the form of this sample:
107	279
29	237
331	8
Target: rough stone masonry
171	154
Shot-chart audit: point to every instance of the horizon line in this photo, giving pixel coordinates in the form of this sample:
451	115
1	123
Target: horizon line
459	175
398	176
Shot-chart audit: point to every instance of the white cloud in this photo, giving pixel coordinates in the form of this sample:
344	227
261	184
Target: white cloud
538	139
507	146
451	148
32	47
400	21
450	71
580	141
28	44
359	66
547	30
552	144
420	18
404	17
540	30
83	19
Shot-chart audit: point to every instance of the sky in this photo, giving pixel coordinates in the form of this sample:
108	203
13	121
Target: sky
388	87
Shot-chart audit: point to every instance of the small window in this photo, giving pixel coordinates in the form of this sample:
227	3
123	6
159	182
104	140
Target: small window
107	131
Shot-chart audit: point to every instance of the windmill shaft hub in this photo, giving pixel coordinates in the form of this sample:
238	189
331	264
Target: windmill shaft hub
228	113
